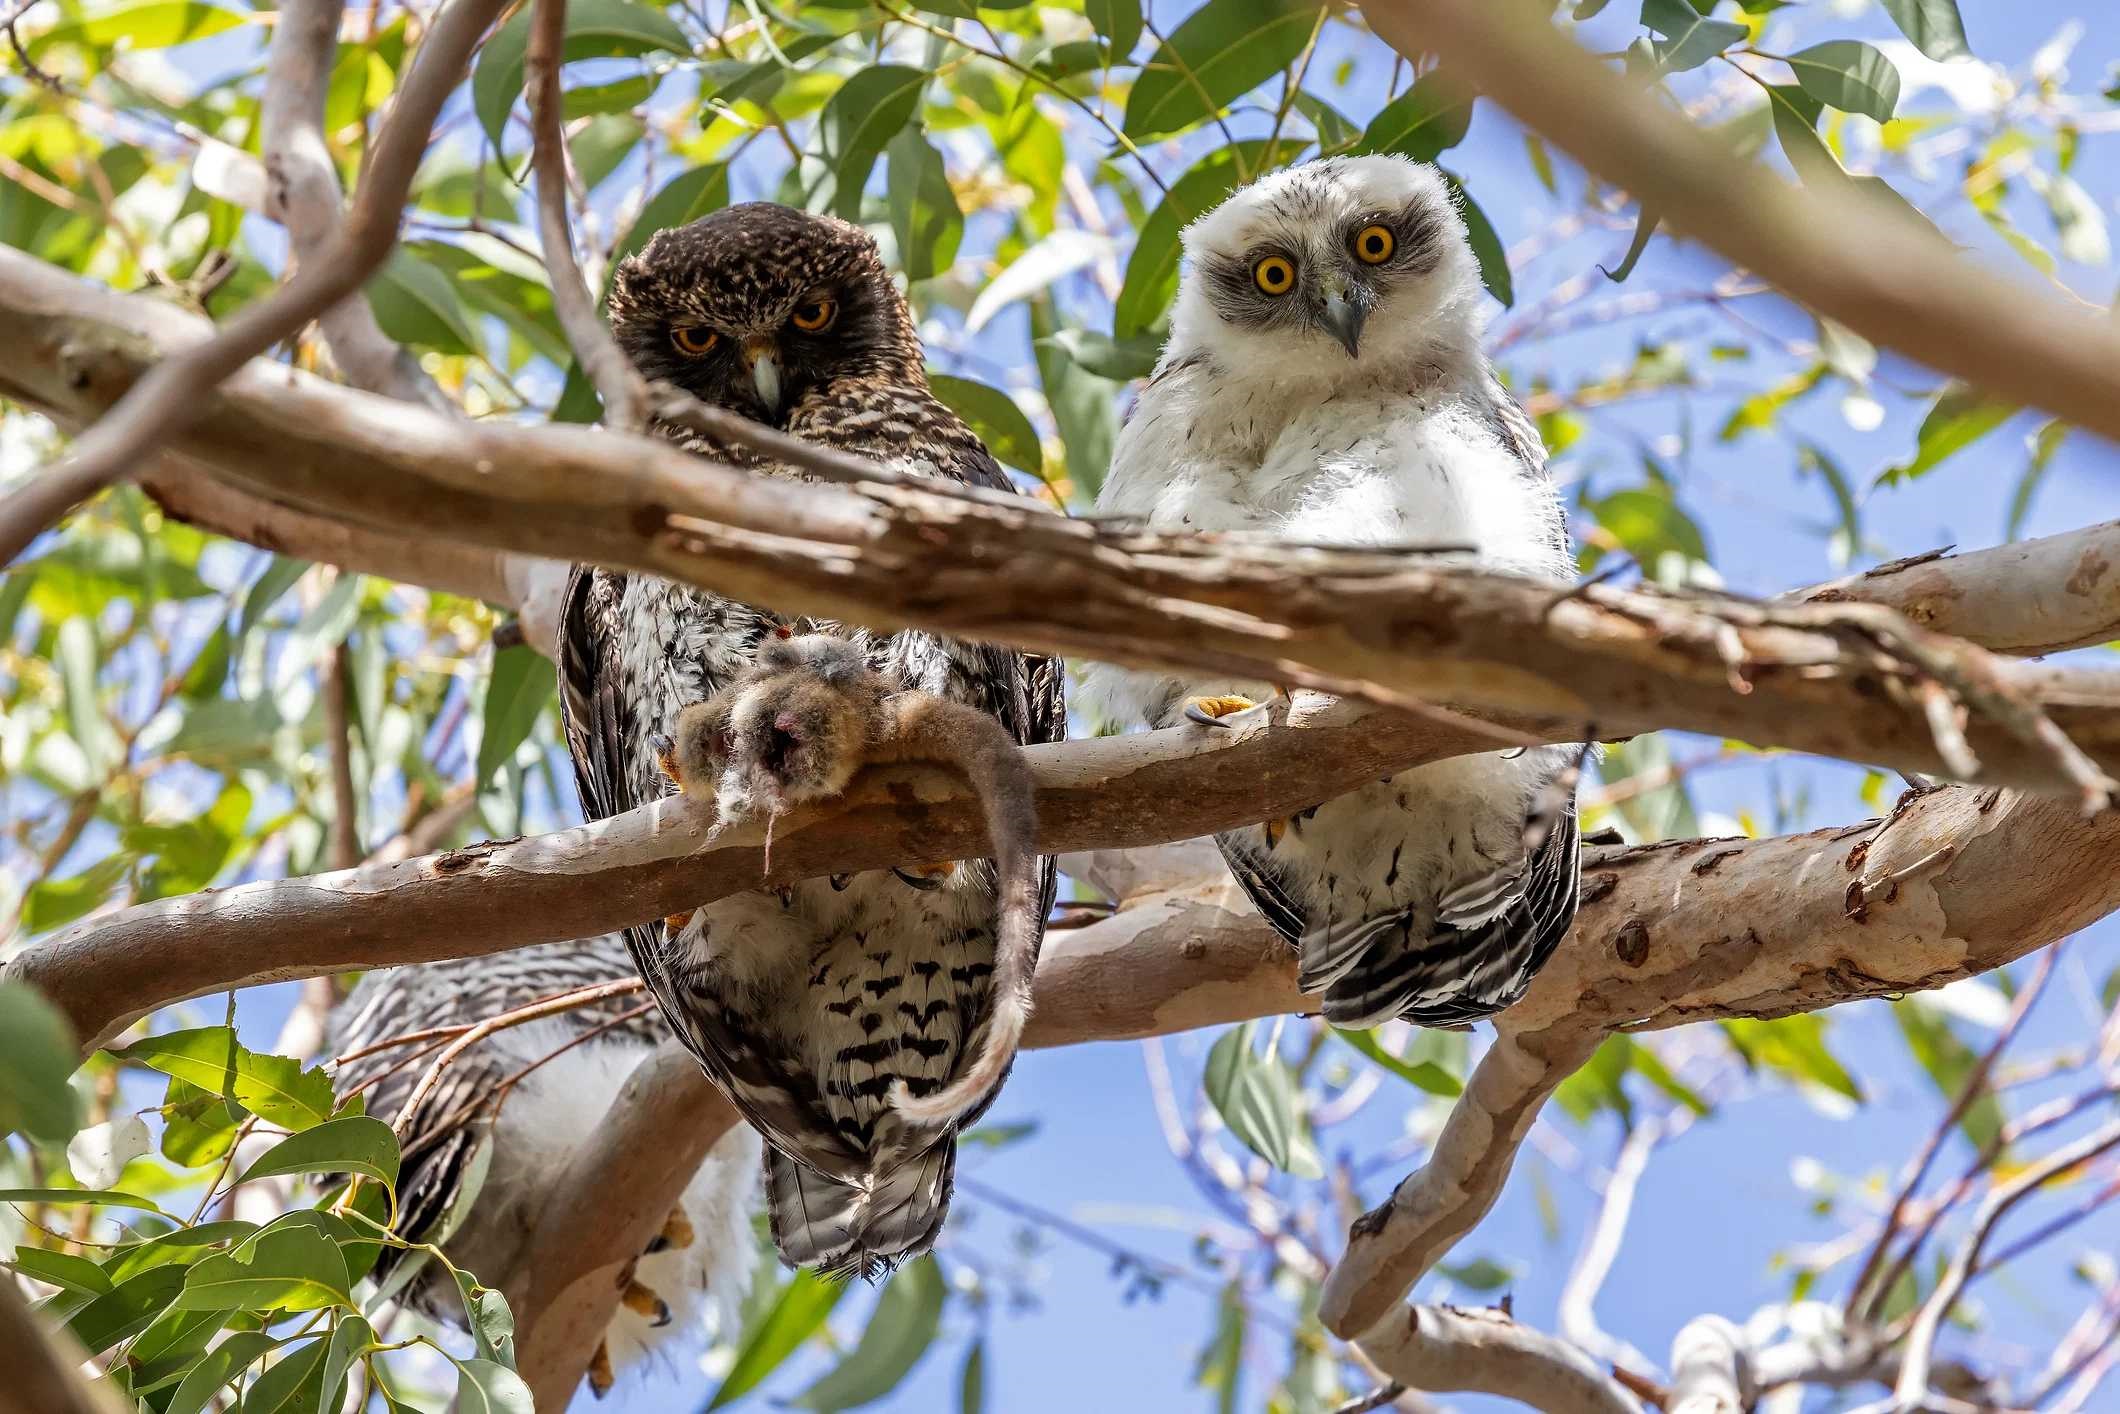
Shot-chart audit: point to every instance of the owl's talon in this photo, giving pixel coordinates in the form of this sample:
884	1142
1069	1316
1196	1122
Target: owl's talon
677	1228
675	923
1218	711
642	1302
600	1377
1275	829
926	877
666	757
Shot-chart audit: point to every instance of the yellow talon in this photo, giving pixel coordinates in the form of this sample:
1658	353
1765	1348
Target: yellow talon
1213	711
677	1230
643	1302
666	758
600	1376
675	923
1274	830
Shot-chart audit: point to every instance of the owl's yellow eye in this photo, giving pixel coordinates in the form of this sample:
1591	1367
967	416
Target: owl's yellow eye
1374	244
816	316
693	341
1276	275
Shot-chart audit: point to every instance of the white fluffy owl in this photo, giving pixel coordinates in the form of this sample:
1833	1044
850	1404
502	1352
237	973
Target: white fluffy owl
1324	382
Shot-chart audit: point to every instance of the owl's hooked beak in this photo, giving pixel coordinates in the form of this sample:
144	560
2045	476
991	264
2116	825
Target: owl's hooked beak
759	357
1343	319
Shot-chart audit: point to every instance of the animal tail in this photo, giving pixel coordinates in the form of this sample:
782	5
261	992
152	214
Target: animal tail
1003	782
849	1230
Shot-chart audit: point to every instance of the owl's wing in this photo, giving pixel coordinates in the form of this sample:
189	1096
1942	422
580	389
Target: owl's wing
597	720
1517	432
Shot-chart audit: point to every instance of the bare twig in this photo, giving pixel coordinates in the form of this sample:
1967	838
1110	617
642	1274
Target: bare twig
175	391
617	383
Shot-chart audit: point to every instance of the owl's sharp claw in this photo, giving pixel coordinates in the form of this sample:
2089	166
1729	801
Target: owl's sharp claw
600	1376
1218	711
643	1302
1275	829
676	1229
925	877
665	756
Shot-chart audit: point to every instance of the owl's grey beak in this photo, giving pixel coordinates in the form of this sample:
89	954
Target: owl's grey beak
1343	319
758	355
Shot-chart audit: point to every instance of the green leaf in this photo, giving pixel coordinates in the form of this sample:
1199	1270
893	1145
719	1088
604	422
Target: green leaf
1662	812
1960	416
1423	122
94	1198
1425	1075
924	215
216	1368
417	304
76	652
1949	1062
1224	49
1479	1274
1933	25
998	1136
483	1387
971	1382
899	1332
1121	360
1117	23
1645	222
1082	404
1221	1364
126	1309
54	903
98	1154
992	414
1258	1099
1650	1066
1032	272
274	1088
1486	243
523	682
179	1245
154	24
1335	134
1152	270
858	121
1849	75
596	29
350	1339
601	145
1690	40
60	1269
290	1266
37	1056
793	1318
1811	458
1794	1046
355	1144
491	1323
290	1385
2042	445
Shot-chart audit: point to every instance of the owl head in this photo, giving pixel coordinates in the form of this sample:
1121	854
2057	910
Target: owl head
1330	267
757	305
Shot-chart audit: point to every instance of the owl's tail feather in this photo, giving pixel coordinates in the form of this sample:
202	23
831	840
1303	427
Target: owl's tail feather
1489	939
845	1230
939	729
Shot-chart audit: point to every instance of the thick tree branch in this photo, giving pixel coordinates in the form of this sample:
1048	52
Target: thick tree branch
1395	627
1448	1349
1711	1369
302	194
1839	250
1955	882
171	392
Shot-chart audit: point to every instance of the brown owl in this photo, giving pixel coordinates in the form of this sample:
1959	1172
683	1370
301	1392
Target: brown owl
806	1007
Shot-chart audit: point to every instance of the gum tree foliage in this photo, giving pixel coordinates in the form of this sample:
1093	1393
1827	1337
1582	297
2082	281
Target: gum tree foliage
174	705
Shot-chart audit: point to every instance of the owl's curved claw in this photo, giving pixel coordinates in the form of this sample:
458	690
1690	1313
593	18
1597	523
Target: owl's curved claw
1219	711
600	1376
642	1302
926	877
665	757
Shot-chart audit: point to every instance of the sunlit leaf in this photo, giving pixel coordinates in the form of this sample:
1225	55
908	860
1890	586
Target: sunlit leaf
1425	1075
275	1088
1117	22
417	304
1220	1367
1486	243
37	1054
2042	446
523	683
1933	25
1949	1062
1258	1099
98	1154
288	1266
291	1384
1644	227
863	115
924	214
355	1144
216	1368
126	1309
596	29
1121	360
1222	51
797	1311
1430	117
899	1332
1960	416
152	24
53	903
1796	1047
1849	75
1054	258
483	1387
1689	38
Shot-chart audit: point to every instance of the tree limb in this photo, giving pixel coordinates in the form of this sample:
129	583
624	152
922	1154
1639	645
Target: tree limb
1830	245
1711	1369
302	194
1446	1349
1844	680
1955	882
171	392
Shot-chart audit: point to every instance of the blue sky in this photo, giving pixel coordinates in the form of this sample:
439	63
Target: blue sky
1718	1204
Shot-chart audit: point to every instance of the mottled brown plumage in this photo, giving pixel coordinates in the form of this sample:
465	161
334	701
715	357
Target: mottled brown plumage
807	1006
